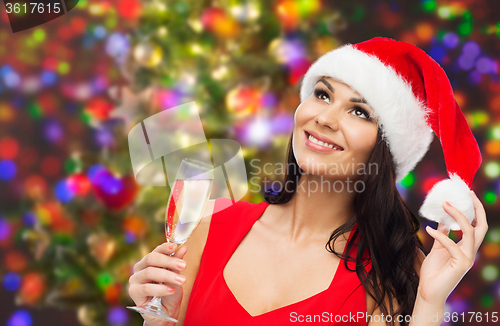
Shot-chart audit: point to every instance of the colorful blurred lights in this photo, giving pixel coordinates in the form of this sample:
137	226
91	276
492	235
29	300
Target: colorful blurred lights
471	49
63	191
12	79
118	316
53	131
100	31
490	197
451	40
258	132
20	318
494	132
12	281
438	53
117	44
475	77
5	229
48	77
94	170
485	65
428	5
492	169
466	62
7	170
9	147
490	272
108	182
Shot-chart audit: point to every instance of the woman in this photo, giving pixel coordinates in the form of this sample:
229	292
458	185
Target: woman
372	105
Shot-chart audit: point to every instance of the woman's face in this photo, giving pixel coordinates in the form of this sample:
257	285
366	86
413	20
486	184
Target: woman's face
339	116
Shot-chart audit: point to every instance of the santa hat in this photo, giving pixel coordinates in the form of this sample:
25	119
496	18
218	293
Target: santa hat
412	98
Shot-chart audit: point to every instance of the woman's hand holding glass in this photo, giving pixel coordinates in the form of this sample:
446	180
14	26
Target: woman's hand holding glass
159	267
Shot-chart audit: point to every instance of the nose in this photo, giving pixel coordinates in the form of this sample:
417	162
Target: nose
329	118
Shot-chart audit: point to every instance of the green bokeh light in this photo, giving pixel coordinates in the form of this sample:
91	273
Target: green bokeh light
72	165
359	13
494	133
34	110
479	118
63	68
465	28
429	5
487	301
104	280
111	22
39	35
408	180
490	197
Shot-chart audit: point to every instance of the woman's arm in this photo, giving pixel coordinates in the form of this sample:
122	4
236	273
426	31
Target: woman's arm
448	262
446	265
196	245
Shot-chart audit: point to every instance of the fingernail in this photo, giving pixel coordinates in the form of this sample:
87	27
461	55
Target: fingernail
180	279
171	246
447	204
181	264
170	289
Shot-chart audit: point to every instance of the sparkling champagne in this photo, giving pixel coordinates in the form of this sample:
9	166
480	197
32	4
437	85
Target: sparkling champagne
186	205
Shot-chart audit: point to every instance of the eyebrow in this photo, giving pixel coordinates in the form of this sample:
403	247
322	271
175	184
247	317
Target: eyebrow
353	99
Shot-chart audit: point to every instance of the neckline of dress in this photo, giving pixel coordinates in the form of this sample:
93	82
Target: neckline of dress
259	211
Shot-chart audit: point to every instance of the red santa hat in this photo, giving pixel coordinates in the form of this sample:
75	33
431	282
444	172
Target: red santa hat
412	98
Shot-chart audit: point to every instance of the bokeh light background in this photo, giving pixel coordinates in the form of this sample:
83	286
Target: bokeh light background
72	219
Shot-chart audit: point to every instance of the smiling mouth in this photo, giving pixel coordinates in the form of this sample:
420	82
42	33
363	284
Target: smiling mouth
324	145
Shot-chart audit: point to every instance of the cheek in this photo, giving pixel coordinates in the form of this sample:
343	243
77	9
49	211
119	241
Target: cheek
363	140
302	115
297	114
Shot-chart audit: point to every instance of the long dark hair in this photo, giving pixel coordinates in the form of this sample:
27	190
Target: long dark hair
386	228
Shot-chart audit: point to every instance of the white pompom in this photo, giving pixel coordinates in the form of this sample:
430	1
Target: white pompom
456	192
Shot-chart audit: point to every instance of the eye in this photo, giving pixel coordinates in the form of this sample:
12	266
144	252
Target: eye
319	93
363	111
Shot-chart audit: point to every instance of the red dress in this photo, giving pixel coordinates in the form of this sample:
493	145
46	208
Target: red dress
212	303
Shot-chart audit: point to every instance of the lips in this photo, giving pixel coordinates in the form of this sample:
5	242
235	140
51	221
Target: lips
321	138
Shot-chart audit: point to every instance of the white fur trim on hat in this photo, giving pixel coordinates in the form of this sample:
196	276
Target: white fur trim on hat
402	116
456	192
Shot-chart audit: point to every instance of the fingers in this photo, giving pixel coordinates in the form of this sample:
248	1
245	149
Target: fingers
160	257
466	228
449	245
442	230
149	290
181	251
158	275
481	226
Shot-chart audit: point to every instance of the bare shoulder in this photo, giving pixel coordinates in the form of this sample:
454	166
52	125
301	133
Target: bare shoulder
196	246
197	240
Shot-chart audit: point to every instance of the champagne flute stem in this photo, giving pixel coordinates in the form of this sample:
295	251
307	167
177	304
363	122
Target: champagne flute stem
156	301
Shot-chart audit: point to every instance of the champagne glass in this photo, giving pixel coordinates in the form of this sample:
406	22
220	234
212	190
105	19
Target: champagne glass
187	202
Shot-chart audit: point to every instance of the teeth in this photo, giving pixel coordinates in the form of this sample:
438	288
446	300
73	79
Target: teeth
319	142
